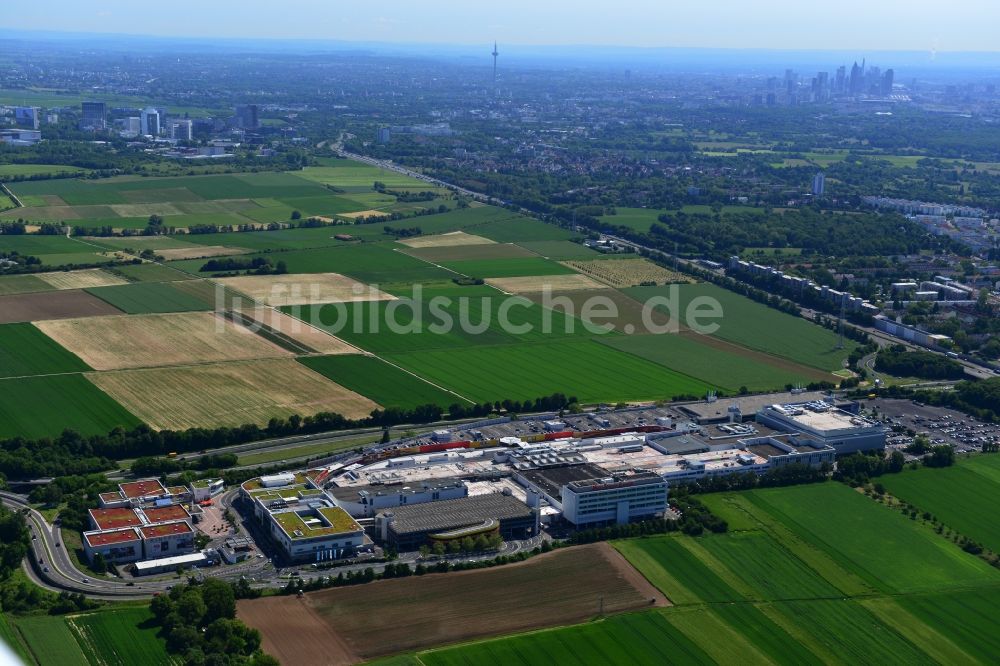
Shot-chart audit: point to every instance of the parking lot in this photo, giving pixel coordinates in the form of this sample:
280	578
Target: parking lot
940	424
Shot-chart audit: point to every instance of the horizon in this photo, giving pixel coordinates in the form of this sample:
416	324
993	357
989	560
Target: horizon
852	25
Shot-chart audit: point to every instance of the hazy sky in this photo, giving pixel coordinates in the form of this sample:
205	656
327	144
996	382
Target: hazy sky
922	25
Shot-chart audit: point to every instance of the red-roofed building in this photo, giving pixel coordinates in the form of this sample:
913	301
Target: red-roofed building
145	488
167	539
112	519
117	546
164	514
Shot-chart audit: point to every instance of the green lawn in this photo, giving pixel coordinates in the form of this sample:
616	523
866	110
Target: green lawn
753	325
44	406
889	551
25	350
586	369
149	297
961	496
121	637
383	383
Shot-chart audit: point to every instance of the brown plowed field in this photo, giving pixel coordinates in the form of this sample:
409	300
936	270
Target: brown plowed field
346	625
46	305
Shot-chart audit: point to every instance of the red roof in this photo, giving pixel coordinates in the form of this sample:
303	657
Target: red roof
110	537
162	514
144	488
166	529
109	519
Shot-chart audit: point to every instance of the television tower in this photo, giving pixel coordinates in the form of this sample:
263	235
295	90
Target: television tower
496	91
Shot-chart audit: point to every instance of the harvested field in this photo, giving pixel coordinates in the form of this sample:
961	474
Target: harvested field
362	213
527	285
93	277
347	625
299	331
48	305
470	252
200	251
150	340
626	272
446	240
228	394
315	288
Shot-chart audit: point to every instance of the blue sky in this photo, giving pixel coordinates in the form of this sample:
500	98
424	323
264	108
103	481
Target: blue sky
920	25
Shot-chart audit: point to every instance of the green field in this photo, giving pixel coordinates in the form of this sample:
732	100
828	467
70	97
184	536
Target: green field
636	638
27	407
49	640
387	385
53	250
561	250
371	263
756	326
421	328
729	369
120	637
22	284
350	175
10	637
890	552
961	496
500	268
636	219
586	369
25	350
149	297
150	273
8	170
514	228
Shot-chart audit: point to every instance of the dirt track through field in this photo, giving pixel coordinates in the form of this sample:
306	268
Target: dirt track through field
562	587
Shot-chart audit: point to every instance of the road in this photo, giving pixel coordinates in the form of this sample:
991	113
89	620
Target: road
49	566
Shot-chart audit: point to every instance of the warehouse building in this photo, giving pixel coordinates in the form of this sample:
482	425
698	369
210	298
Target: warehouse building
824	423
406	528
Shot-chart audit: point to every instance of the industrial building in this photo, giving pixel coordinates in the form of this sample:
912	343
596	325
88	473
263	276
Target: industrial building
821	421
407	528
302	519
366	501
563	469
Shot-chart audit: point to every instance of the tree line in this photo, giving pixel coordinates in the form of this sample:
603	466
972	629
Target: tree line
72	453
